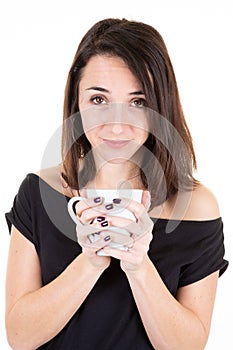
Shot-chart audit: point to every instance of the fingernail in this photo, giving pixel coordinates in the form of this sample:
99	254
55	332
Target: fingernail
97	199
104	224
116	200
100	218
107	238
109	206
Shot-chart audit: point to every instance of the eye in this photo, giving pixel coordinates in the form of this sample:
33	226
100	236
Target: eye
138	102
98	100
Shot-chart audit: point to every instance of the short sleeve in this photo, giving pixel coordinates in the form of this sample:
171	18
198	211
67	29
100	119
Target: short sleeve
20	213
209	254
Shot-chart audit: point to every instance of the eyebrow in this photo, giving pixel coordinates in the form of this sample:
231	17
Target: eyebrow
101	89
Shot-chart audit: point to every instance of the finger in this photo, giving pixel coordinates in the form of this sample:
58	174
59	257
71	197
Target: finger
97	205
121	237
86	203
125	255
118	238
85	230
141	227
117	221
92	215
96	241
135	207
116	225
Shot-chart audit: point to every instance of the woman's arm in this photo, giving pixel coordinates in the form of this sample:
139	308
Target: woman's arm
170	323
35	314
179	323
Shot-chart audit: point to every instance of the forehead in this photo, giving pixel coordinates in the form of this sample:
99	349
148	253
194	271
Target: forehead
103	69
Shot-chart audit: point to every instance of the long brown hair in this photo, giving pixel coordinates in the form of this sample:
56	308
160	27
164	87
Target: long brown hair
143	50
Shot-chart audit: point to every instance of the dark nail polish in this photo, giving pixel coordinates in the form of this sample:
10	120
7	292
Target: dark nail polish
97	199
104	224
100	218
116	200
97	233
107	238
109	206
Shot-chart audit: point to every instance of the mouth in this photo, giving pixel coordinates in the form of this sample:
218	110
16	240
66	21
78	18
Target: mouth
116	143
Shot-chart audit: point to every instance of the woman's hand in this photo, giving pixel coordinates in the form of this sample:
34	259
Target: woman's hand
140	234
92	234
94	231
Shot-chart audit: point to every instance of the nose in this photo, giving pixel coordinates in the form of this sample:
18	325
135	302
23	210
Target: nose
116	118
117	128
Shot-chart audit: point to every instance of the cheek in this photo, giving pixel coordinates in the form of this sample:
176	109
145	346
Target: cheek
92	136
145	136
92	120
140	135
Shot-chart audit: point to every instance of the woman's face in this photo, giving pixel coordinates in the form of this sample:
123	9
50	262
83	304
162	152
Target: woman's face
112	106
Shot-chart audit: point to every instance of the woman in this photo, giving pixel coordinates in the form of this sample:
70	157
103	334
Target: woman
123	127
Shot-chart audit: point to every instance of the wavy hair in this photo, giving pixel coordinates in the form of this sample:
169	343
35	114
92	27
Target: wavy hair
143	49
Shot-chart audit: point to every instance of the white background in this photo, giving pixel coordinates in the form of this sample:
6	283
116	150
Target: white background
38	42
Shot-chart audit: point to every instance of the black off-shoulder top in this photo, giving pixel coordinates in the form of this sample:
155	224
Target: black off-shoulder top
108	319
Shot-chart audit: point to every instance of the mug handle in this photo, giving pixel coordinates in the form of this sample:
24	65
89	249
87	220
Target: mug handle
70	206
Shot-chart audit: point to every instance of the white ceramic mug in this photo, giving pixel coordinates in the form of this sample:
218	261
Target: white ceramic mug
109	195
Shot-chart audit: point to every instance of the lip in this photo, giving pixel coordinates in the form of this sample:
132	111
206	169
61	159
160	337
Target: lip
116	143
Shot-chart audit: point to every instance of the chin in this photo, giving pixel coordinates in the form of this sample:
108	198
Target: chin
116	161
117	156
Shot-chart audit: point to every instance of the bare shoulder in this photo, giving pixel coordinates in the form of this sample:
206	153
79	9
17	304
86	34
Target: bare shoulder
200	204
51	176
203	204
49	173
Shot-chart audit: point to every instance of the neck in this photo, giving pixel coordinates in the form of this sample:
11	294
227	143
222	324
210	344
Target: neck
123	175
119	172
